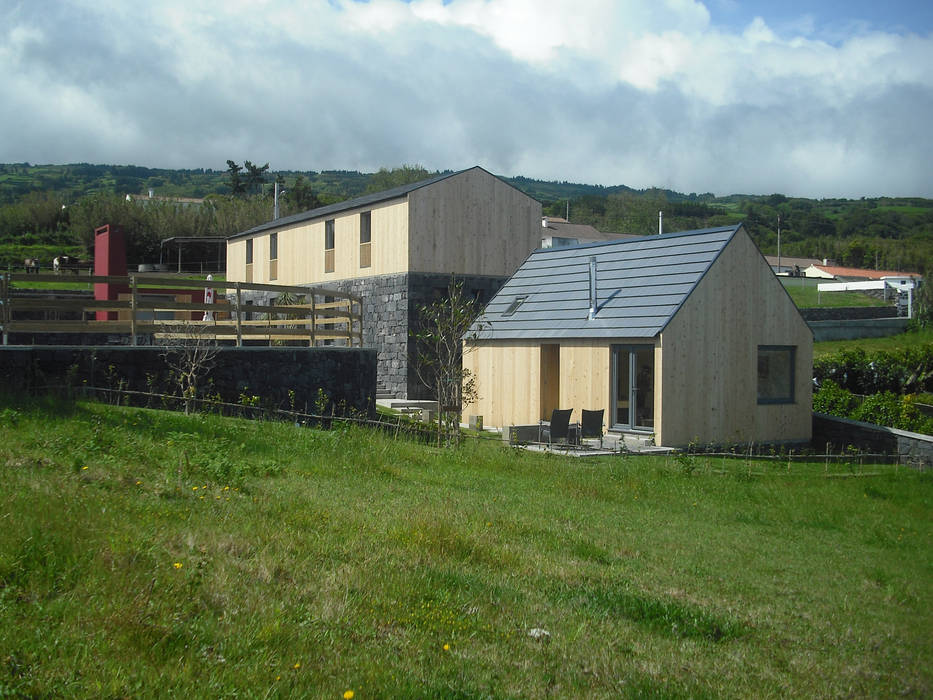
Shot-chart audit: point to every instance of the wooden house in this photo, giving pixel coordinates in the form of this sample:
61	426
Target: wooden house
397	249
687	336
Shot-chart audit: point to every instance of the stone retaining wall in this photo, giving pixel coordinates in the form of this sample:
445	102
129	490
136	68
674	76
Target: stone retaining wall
346	375
848	313
913	449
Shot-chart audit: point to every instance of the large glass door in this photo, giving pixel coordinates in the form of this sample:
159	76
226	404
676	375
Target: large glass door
633	387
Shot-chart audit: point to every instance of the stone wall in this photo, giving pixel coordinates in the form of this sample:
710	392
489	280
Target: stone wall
912	449
346	375
390	310
848	312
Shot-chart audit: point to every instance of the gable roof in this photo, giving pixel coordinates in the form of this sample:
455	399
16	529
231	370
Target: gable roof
640	284
365	200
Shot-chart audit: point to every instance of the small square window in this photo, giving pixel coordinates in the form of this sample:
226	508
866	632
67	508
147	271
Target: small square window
776	373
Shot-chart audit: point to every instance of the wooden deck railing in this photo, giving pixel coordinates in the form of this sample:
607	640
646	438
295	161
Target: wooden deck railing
157	305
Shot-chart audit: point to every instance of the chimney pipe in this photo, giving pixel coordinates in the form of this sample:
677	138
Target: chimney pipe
660	222
592	313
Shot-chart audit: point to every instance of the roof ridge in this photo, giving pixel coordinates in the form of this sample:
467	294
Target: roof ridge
353	203
642	239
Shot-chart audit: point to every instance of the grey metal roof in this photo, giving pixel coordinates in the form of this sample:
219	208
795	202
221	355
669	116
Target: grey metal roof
640	285
358	202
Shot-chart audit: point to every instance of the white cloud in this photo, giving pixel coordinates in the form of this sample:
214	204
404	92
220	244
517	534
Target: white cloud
634	92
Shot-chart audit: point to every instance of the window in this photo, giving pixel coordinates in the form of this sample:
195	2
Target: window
776	373
365	239
273	256
249	260
329	245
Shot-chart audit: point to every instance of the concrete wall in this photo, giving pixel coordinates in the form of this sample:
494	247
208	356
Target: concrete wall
849	329
913	449
346	375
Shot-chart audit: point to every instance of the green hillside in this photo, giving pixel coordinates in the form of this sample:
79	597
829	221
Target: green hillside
60	204
150	554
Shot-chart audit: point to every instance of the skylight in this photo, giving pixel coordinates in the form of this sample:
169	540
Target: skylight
513	307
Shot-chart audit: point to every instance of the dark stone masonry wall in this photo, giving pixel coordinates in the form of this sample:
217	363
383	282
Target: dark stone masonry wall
848	313
346	375
390	311
913	449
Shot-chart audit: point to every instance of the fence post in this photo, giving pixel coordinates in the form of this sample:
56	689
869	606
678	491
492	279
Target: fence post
239	326
5	312
313	317
349	303
133	310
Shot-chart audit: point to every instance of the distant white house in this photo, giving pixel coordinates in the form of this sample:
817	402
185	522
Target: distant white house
854	274
560	233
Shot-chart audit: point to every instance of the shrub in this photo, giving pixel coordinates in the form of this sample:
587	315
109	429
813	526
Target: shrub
908	370
883	408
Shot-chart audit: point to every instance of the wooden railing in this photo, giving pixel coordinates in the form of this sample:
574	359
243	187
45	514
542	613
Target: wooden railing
157	305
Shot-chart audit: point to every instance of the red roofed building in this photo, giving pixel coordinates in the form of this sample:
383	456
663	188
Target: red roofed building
831	272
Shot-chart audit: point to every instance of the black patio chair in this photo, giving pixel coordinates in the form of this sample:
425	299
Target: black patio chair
559	428
591	425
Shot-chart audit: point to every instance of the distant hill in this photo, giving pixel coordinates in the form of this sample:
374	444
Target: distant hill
883	232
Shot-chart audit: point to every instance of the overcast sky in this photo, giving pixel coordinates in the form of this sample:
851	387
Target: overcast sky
815	99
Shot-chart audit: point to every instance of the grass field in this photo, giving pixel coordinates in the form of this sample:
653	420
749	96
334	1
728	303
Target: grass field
889	343
145	553
806	295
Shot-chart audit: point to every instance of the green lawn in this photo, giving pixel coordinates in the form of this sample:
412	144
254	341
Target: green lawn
889	343
145	553
69	282
806	295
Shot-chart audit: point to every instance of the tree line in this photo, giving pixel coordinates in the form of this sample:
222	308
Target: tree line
61	205
882	233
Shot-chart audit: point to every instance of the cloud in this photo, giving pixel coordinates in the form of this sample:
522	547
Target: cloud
614	92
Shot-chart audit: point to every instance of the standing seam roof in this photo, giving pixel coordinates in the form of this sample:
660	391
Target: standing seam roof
355	203
640	284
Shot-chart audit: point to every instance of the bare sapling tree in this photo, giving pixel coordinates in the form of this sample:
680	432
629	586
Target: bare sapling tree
438	338
190	351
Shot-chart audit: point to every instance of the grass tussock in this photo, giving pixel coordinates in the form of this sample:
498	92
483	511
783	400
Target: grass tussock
145	553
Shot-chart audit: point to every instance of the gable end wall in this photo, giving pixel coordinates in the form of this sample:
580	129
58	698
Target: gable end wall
472	224
709	356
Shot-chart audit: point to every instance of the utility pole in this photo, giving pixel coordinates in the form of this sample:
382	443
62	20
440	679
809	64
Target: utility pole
779	244
275	199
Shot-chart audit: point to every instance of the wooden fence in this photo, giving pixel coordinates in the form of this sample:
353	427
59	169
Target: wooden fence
162	306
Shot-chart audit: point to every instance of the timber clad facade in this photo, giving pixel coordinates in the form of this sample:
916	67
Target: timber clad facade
398	249
689	337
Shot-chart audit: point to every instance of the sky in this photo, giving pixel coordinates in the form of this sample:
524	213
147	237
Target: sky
813	99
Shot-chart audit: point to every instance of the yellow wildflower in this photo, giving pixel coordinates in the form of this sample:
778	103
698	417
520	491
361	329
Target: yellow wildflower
348	695
177	564
297	665
446	647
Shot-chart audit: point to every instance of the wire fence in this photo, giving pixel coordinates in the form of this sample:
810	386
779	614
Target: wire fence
751	460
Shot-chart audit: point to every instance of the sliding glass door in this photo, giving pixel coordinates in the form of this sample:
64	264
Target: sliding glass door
633	387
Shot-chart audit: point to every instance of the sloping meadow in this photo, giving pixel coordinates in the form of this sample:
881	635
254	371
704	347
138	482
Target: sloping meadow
146	553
